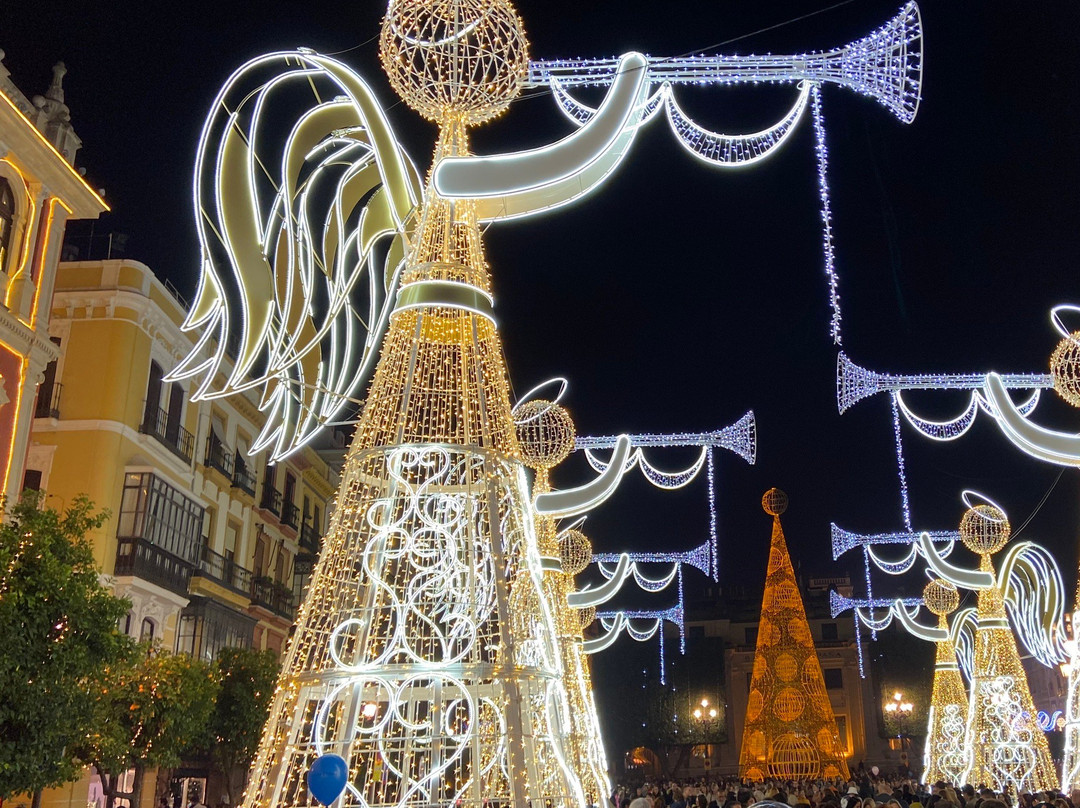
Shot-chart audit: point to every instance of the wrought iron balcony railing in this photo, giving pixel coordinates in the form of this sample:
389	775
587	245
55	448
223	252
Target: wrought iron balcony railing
243	478
224	570
219	456
173	436
140	558
290	515
309	537
274	596
271	499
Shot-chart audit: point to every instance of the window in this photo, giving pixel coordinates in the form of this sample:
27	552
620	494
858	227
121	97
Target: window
146	632
207	626
153	510
151	417
750	636
32	480
828	632
834	678
7	221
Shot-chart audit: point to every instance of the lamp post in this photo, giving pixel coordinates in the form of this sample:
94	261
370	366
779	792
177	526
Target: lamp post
901	709
706	716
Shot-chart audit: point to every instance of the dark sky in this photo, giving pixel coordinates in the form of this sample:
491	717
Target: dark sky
680	296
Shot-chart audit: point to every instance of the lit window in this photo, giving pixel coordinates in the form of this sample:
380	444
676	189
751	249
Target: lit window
7	221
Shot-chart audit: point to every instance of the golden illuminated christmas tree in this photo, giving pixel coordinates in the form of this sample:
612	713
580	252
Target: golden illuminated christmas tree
790	731
546	434
944	758
426	653
1003	741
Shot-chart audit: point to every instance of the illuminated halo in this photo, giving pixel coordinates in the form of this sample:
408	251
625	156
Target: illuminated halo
427	47
941	597
525	399
1059	326
967	495
546	434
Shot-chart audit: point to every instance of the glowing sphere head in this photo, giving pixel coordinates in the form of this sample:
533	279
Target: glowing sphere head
575	551
984	529
1065	368
545	432
454	60
774	502
941	597
586	616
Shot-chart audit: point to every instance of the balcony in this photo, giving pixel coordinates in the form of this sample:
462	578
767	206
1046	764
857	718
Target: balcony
218	456
242	477
271	499
170	434
274	596
140	558
224	570
309	537
48	401
290	515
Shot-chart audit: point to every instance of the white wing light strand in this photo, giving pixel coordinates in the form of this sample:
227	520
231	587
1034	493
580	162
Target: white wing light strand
303	203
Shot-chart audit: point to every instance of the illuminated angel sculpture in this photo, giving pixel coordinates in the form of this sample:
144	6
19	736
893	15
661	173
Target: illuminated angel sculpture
428	645
1004	744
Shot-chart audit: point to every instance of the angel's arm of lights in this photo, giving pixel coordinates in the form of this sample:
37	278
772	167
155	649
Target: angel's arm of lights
964	624
963	578
739	437
511	185
575	501
1060	448
907	620
593	596
605	641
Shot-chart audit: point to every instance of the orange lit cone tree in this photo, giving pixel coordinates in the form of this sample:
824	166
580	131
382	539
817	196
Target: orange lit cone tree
790	730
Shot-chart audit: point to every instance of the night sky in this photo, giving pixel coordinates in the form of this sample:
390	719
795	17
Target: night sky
679	295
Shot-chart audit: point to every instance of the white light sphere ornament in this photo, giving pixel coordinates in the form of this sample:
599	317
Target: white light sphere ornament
545	431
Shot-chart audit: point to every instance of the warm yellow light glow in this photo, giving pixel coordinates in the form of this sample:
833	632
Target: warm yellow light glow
697	712
52	148
23	365
790	731
53	202
712	713
704	702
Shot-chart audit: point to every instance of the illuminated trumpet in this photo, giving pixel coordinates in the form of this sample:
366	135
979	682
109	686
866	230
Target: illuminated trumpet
739	437
854	383
886	65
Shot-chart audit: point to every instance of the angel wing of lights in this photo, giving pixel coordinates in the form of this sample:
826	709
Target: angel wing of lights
304	203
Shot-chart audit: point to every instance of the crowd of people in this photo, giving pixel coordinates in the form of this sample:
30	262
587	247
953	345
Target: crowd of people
864	790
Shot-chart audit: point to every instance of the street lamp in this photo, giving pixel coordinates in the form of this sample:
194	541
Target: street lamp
901	709
706	715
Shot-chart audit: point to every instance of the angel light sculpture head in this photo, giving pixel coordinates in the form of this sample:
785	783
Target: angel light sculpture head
941	597
427	48
1065	368
985	529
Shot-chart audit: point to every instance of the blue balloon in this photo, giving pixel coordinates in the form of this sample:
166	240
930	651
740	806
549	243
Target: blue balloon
327	777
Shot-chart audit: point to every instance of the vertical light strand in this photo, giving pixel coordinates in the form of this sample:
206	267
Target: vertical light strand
710	472
826	215
901	468
869	589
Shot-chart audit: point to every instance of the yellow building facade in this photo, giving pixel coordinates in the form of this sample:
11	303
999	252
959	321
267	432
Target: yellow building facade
40	191
211	545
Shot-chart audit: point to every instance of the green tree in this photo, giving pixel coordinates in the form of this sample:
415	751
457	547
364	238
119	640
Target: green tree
246	679
149	708
59	629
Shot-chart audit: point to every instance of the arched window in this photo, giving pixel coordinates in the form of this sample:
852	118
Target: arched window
146	632
7	221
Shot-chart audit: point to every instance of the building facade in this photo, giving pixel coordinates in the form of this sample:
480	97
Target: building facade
211	545
40	191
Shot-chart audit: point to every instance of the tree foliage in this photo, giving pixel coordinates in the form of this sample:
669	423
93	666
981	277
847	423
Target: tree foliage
149	708
59	629
246	680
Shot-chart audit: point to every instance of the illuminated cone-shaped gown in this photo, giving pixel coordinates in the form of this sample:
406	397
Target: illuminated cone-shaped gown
1004	742
944	756
790	731
1070	765
425	653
